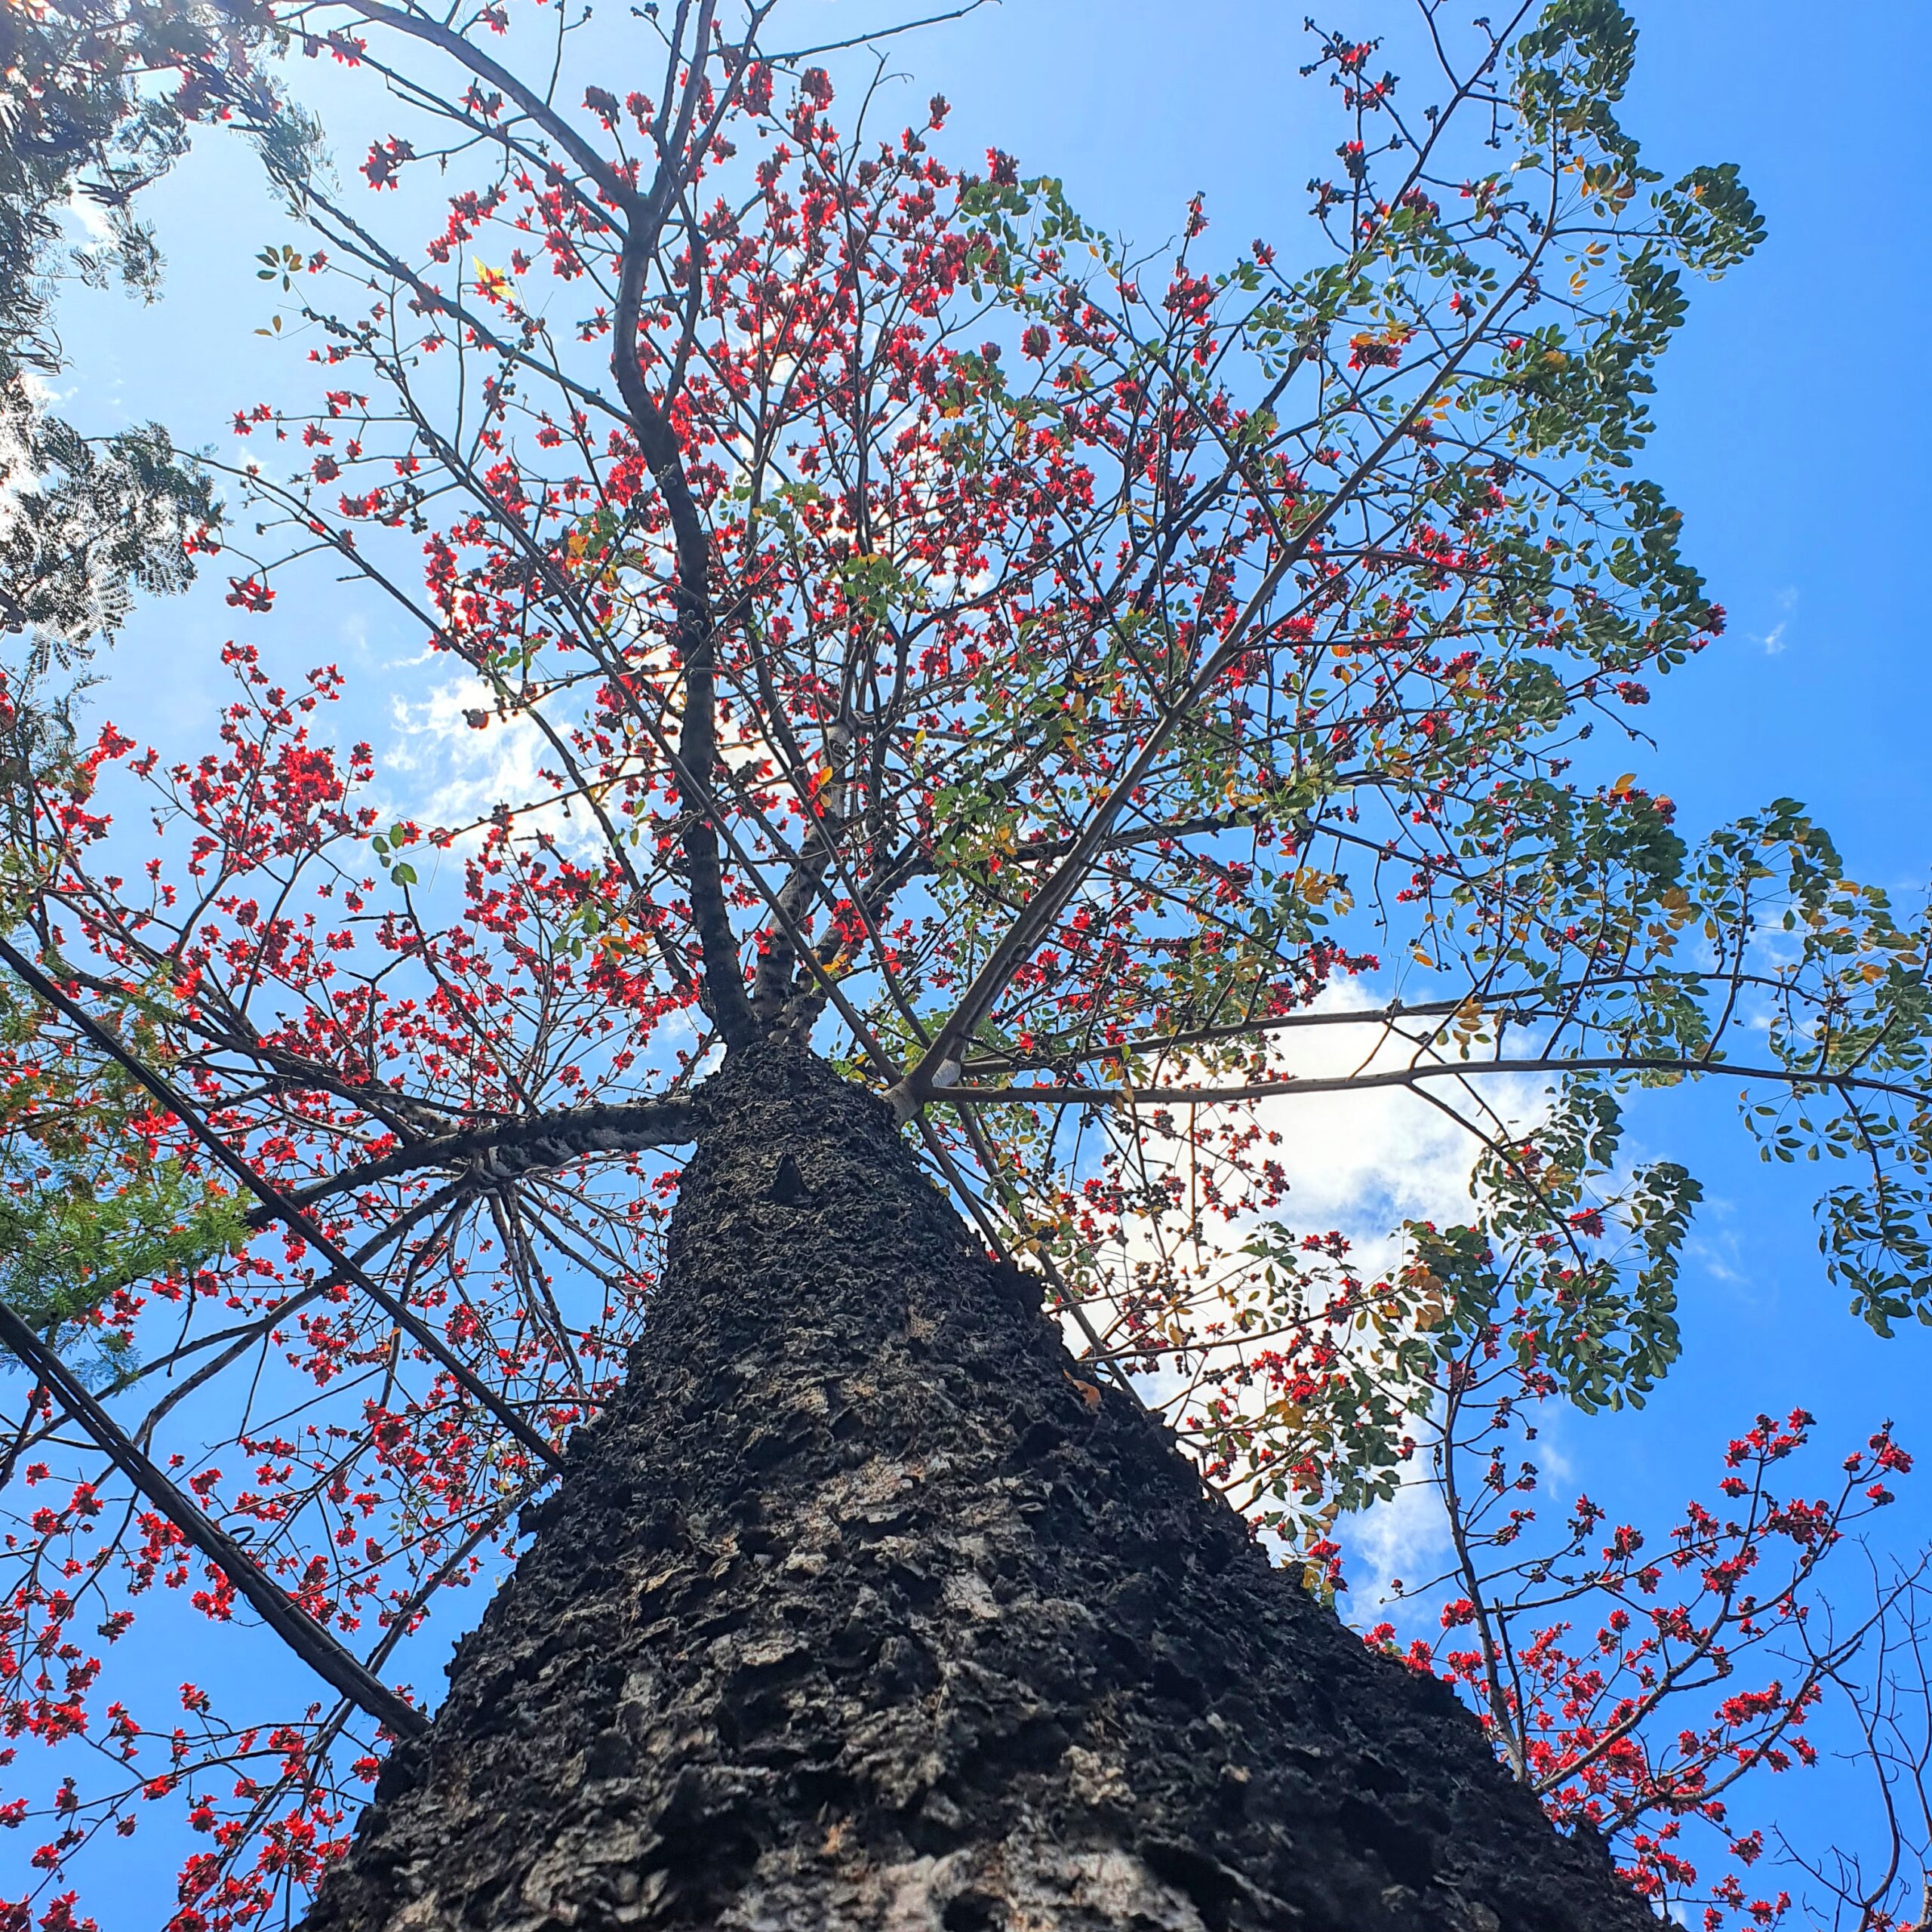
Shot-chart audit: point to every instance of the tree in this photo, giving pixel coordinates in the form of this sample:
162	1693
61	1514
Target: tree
100	96
937	652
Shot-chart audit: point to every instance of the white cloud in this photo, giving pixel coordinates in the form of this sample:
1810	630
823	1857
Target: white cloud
1367	1161
92	216
1359	1163
1773	640
1405	1540
441	770
1362	1164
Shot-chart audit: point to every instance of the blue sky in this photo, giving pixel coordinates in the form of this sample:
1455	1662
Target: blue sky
1793	425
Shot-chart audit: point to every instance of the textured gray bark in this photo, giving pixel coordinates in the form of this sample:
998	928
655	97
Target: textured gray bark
854	1611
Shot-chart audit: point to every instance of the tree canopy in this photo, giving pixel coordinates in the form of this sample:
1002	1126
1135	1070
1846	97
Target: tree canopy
1071	687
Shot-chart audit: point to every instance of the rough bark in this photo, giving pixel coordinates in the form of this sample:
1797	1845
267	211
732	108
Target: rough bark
857	1611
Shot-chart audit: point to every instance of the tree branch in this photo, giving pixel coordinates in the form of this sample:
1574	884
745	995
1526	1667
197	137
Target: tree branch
284	1210
507	1150
300	1631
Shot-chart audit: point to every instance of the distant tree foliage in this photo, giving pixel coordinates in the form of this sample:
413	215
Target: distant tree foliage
99	101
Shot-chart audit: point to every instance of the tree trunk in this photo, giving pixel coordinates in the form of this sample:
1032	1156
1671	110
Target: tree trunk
857	1609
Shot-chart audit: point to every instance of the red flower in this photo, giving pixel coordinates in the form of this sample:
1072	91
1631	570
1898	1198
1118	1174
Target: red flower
249	593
